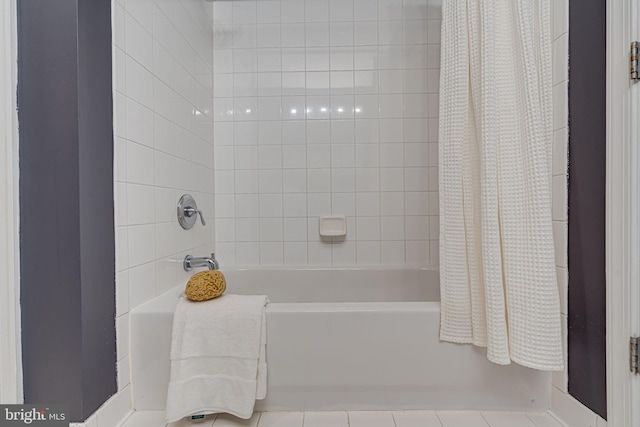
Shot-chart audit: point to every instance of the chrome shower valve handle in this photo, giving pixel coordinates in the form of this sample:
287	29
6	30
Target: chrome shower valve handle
188	212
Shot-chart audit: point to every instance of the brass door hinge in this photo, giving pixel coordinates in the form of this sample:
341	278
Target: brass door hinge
633	355
634	61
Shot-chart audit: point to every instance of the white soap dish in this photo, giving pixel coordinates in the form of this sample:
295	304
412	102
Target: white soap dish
333	226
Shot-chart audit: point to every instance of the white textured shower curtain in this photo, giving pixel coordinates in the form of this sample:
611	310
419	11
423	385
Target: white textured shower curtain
498	278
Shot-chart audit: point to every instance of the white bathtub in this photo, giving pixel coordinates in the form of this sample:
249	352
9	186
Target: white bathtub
347	339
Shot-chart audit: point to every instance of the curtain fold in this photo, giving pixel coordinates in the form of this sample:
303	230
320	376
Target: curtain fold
497	268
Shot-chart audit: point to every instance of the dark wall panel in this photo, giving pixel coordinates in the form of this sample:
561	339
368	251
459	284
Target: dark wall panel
50	255
66	203
97	241
587	174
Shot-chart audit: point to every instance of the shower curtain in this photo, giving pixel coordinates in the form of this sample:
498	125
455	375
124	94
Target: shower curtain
498	278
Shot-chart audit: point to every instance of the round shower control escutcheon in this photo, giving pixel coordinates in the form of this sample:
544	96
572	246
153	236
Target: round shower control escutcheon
188	212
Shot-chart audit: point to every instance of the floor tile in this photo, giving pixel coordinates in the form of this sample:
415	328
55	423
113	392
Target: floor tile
326	419
281	419
226	420
371	419
358	419
570	411
416	419
146	419
544	420
187	422
461	419
507	419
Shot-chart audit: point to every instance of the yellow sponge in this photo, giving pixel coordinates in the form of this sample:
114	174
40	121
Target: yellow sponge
206	285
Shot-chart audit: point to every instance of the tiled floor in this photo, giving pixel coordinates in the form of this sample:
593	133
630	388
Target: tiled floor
358	419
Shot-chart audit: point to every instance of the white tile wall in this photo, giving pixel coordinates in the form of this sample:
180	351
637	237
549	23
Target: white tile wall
563	405
326	108
163	124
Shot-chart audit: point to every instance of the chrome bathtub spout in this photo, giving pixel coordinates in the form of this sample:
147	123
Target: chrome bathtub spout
191	262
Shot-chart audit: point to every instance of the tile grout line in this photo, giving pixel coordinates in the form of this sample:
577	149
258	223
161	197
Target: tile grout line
558	420
279	24
530	419
484	418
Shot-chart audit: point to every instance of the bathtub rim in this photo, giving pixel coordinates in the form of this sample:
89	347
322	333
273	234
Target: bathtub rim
168	299
234	269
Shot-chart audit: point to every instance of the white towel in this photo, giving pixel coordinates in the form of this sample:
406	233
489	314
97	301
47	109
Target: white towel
218	357
497	268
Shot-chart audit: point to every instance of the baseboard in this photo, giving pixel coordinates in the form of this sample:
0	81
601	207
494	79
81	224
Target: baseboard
112	413
570	412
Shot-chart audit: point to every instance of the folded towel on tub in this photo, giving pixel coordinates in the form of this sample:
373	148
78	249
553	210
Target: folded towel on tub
218	357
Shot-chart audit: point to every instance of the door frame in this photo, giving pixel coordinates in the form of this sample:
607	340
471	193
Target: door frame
10	354
622	214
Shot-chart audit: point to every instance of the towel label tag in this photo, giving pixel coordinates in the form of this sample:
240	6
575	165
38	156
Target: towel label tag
34	415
